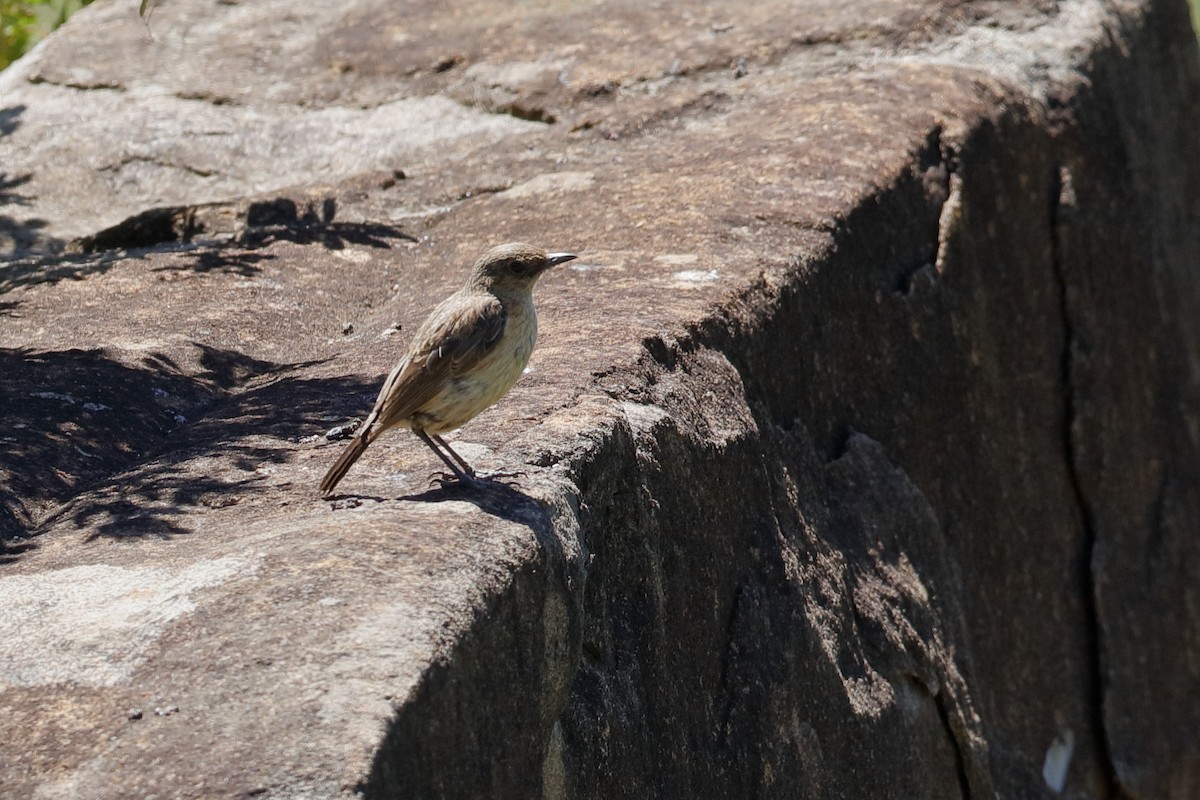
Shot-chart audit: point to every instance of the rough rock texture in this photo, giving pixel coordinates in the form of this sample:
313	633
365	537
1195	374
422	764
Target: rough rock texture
861	444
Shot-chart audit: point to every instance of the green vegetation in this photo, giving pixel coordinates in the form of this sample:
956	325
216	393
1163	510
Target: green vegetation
24	22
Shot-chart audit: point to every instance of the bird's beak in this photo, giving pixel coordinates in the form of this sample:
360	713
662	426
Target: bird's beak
553	259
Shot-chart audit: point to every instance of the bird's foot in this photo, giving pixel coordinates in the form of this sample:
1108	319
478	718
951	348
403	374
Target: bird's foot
446	480
508	479
443	480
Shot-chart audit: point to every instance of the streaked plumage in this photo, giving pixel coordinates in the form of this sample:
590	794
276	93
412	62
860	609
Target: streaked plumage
463	358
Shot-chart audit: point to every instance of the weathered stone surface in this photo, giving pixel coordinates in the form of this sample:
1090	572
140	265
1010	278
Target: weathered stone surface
861	443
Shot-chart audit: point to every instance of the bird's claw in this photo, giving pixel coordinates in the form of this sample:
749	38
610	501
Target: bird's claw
445	480
503	478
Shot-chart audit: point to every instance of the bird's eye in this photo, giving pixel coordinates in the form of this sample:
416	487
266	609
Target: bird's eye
518	267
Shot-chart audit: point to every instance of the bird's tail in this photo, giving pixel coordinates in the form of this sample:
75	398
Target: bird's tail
356	448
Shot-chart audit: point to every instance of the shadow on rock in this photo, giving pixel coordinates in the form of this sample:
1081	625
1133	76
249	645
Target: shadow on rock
215	463
504	501
31	270
233	262
501	500
498	499
73	419
7	184
19	235
244	258
331	236
10	119
227	234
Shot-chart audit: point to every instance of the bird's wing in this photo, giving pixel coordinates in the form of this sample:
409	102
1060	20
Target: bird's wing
456	336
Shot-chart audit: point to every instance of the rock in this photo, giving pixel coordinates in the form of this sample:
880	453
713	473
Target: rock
860	443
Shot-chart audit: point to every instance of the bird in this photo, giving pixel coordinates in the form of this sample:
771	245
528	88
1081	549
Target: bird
465	356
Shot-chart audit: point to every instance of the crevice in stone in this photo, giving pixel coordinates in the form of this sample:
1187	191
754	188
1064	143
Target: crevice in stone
527	112
728	661
481	190
937	169
934	172
960	763
81	86
843	433
920	275
145	229
1063	197
158	162
205	96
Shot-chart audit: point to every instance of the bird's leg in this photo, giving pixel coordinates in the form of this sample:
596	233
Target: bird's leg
497	477
463	477
462	462
462	470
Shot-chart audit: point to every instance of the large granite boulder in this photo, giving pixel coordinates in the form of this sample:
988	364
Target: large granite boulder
861	446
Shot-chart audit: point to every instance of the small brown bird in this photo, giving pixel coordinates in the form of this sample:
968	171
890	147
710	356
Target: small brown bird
465	356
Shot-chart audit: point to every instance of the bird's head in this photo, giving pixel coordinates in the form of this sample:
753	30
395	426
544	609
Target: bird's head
513	267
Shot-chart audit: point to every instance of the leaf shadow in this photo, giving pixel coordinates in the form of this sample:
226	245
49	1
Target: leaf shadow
19	235
31	270
218	460
130	449
72	417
